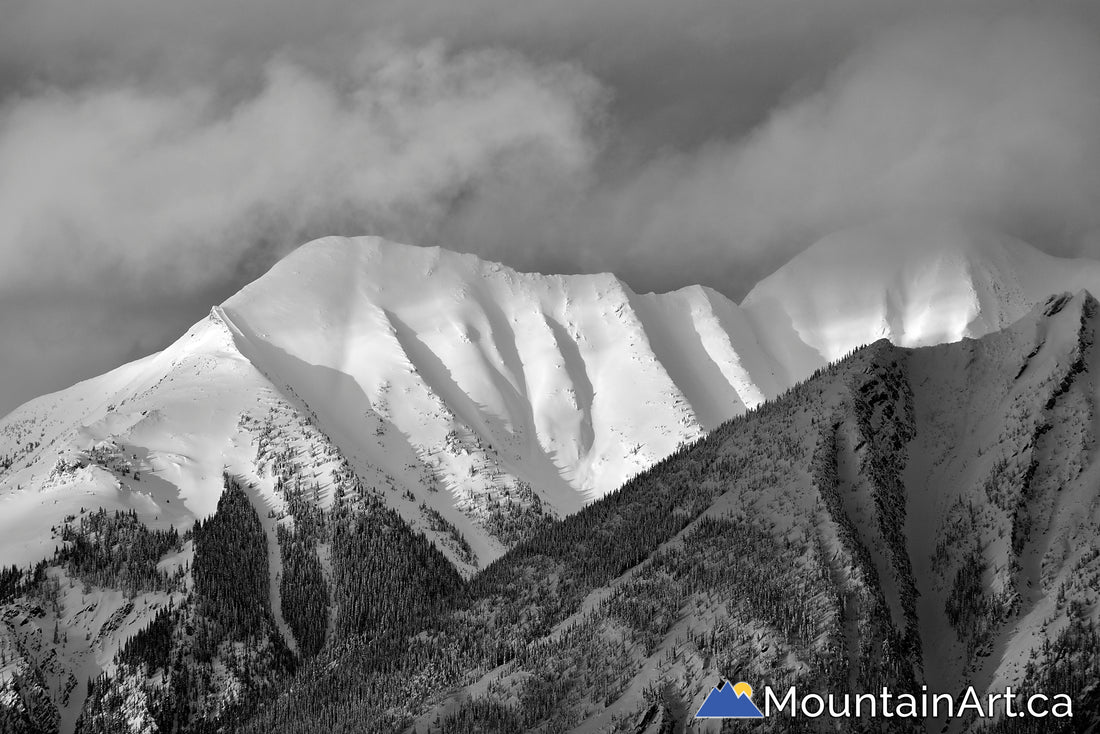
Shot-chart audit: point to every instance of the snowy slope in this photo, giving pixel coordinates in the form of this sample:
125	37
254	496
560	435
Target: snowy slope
569	383
167	417
914	283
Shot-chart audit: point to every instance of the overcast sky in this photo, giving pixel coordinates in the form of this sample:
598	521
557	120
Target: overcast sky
155	156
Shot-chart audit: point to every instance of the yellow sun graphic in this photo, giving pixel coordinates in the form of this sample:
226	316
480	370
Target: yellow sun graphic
744	688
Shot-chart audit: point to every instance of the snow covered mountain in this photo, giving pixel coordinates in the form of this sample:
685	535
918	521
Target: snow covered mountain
448	381
480	398
914	283
478	403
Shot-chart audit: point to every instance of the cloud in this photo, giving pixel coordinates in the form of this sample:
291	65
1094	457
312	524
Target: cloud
121	185
681	71
126	210
150	167
996	121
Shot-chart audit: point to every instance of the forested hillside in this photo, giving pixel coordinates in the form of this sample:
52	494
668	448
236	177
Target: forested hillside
203	665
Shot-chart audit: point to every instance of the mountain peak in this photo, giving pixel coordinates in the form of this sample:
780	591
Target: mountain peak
482	372
914	283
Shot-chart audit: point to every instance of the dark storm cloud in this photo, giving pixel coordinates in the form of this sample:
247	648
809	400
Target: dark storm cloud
156	152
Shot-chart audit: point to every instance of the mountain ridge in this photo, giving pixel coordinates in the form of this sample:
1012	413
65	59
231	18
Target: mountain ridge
488	382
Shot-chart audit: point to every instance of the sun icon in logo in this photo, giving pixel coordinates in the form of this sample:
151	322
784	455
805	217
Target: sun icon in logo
730	701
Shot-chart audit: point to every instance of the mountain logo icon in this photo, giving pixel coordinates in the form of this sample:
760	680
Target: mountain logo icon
730	701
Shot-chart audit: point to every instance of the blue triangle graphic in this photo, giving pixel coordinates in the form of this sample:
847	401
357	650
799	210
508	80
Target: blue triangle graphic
723	703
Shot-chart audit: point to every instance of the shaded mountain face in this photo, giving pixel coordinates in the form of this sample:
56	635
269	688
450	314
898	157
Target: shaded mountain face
397	418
